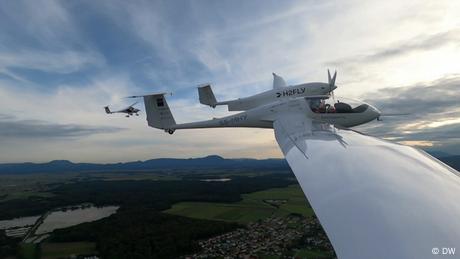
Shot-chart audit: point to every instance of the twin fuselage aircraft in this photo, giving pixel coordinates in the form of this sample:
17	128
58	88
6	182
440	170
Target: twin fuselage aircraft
261	110
374	198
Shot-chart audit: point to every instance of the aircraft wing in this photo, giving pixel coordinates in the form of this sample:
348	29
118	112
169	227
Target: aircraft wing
374	199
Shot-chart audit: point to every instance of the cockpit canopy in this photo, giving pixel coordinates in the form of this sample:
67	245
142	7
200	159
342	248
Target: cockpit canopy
338	105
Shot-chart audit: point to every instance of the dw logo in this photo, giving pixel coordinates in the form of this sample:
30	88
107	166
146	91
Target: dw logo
443	251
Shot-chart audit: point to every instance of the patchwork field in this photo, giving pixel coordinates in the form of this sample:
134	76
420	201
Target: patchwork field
64	250
254	206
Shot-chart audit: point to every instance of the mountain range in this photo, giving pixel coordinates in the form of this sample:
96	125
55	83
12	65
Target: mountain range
209	162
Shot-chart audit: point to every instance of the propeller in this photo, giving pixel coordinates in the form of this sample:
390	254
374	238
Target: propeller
391	115
331	82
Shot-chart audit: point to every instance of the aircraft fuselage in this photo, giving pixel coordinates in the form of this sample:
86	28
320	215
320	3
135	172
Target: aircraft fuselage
263	116
277	94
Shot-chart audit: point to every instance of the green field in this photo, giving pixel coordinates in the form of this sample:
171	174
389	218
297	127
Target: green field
63	250
28	251
254	206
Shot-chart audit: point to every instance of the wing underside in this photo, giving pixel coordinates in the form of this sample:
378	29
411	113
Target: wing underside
374	199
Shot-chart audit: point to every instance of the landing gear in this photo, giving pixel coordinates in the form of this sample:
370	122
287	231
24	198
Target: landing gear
170	131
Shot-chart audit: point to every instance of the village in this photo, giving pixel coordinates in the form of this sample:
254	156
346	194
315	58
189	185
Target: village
277	237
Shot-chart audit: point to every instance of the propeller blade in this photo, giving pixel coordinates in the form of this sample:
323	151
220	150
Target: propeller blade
394	114
331	81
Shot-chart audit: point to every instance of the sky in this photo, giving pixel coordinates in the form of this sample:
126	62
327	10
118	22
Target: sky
61	62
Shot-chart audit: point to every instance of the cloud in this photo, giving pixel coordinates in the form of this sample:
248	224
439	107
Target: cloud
48	41
13	128
433	113
402	48
439	96
61	65
53	62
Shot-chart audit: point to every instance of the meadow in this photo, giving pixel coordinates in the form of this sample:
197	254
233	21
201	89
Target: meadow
253	206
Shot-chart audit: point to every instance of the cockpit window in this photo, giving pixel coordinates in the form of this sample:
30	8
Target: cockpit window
339	105
160	102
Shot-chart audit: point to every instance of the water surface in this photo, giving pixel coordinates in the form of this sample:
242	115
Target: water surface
216	180
68	218
18	222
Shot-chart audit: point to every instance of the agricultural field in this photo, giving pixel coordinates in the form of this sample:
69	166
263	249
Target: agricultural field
63	250
254	206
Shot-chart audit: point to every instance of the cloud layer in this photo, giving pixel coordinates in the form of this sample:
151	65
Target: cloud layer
11	129
60	65
433	114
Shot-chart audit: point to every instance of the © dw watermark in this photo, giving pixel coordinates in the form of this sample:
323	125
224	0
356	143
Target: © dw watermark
443	250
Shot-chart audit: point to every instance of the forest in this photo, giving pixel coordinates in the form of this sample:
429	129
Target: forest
143	233
159	195
139	229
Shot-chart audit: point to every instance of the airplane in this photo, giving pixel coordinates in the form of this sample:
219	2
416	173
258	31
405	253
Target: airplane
374	198
130	110
280	91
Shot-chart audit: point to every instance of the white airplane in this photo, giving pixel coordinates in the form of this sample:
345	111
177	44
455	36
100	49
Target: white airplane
374	198
130	110
280	91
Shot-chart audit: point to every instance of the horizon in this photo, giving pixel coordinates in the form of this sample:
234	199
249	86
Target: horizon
64	63
433	153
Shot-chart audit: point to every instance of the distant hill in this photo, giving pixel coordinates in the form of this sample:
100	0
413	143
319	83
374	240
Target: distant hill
209	162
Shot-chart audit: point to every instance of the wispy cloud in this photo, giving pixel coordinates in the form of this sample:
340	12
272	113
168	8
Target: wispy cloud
12	128
48	40
52	62
61	62
400	49
432	110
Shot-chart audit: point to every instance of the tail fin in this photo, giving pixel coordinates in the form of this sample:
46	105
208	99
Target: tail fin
278	81
158	113
107	110
207	96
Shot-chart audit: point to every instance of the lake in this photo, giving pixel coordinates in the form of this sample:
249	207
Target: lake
216	180
68	218
18	222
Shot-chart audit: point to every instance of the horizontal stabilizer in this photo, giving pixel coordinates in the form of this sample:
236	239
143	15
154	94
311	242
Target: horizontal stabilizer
138	96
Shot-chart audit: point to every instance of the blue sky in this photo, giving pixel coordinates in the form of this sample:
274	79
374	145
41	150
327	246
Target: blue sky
62	61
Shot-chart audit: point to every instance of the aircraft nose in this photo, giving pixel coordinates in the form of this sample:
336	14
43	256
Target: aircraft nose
376	113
